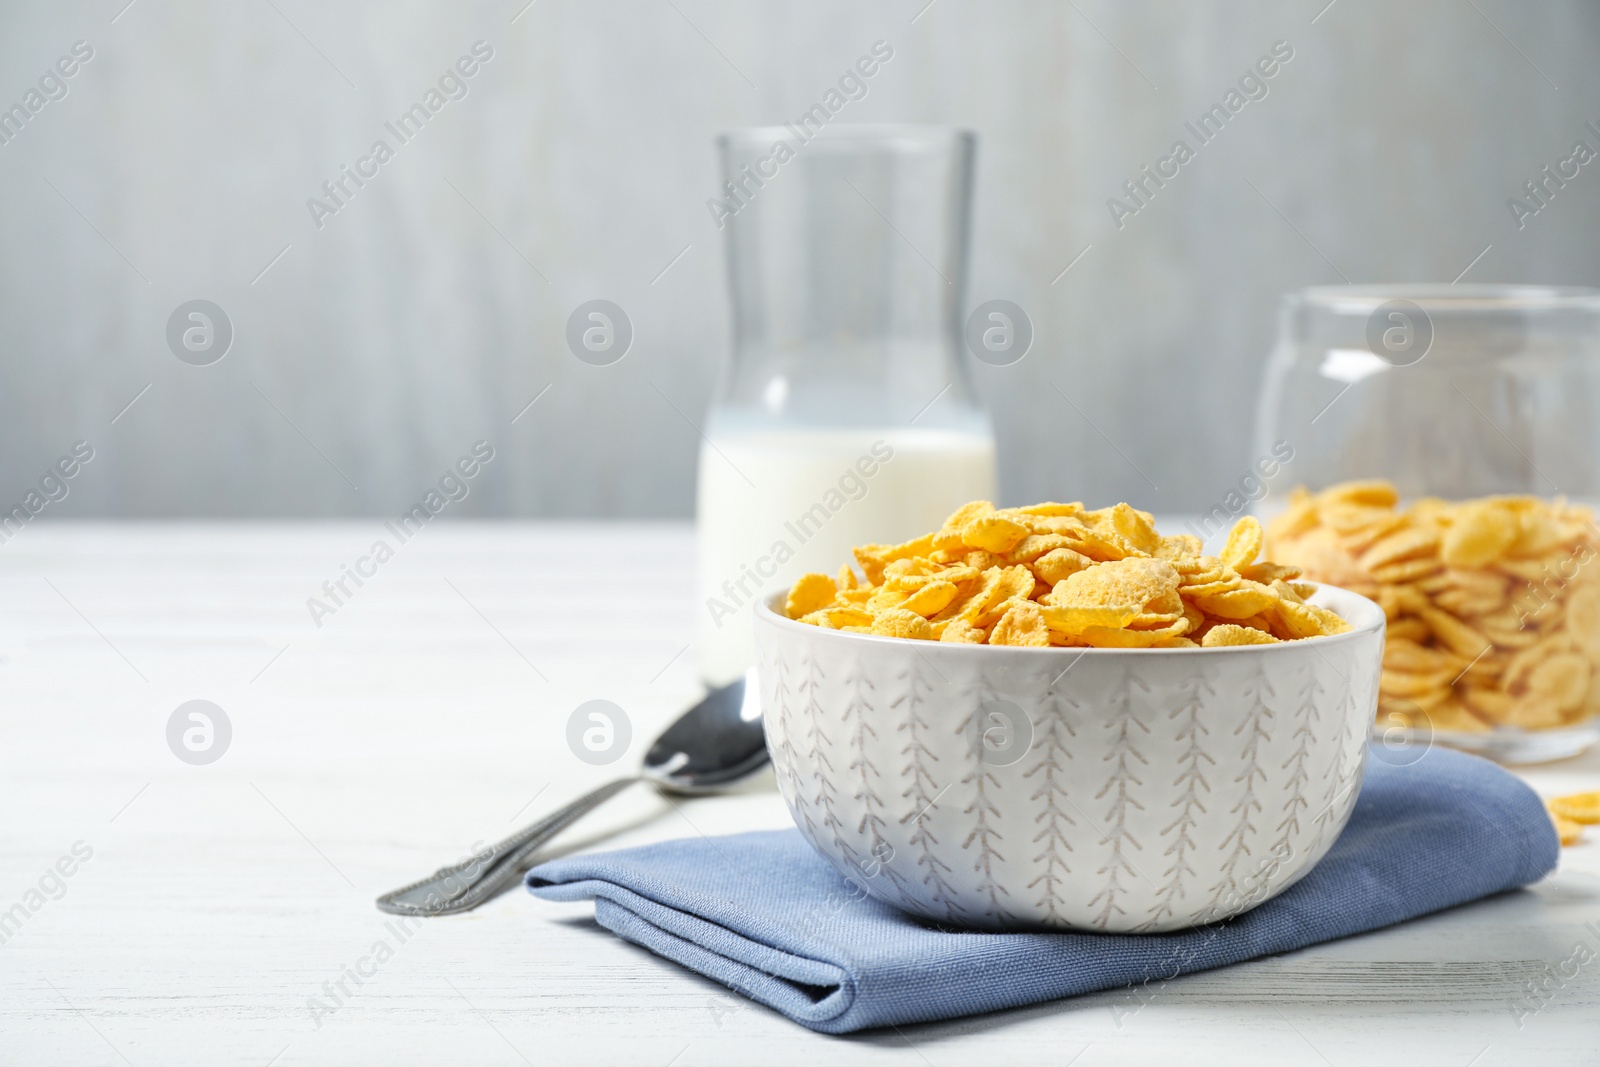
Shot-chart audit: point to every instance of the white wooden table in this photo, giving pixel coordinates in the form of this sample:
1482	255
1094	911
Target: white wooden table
429	713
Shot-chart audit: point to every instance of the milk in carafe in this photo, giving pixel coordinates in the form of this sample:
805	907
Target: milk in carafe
776	504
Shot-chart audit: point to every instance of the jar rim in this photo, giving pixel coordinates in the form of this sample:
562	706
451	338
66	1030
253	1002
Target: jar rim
884	137
1443	298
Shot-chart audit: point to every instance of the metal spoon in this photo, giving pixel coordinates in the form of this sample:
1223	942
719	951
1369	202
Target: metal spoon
711	746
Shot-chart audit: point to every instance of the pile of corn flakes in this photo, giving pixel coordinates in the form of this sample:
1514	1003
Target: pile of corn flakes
1494	610
1056	574
1573	813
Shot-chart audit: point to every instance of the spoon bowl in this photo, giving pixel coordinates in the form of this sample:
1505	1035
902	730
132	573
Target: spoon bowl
714	744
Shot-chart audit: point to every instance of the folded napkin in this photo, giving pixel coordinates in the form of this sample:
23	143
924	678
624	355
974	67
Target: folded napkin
765	915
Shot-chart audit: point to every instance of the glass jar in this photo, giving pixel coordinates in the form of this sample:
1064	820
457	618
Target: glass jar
845	413
1480	407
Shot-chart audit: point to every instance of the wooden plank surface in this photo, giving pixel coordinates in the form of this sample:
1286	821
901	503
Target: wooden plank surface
428	713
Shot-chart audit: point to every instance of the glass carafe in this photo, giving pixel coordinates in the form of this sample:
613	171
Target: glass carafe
845	414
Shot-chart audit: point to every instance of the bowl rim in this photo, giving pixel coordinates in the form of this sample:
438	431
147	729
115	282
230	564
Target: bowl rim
1375	622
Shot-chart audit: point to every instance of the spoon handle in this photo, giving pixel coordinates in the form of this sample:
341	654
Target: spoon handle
489	873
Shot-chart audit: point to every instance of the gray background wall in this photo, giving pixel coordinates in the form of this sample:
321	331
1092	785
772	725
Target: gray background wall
430	310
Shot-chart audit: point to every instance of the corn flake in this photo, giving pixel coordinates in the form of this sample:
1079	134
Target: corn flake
993	533
1225	634
1578	807
895	622
1244	543
1022	624
810	593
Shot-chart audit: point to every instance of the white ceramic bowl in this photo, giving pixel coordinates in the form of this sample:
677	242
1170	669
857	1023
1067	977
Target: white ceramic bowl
1114	790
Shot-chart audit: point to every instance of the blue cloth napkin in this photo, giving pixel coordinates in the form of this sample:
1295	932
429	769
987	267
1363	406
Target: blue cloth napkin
765	915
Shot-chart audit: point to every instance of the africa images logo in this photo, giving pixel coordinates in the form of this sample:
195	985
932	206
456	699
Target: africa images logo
339	190
1252	86
741	188
52	86
454	486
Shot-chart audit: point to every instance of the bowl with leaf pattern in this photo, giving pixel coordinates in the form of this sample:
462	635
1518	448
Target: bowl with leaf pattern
1102	789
